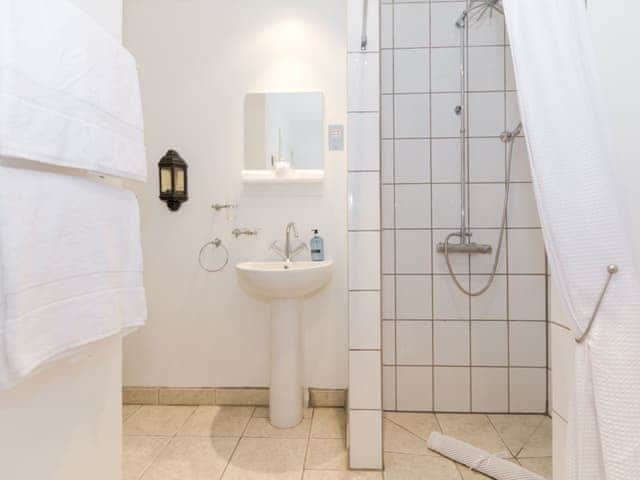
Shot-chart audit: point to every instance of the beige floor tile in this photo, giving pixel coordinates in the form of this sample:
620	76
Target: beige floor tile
263	412
467	474
260	427
137	454
541	466
191	458
418	467
267	459
328	423
157	420
539	445
420	424
217	421
341	475
398	440
326	454
128	410
515	430
474	429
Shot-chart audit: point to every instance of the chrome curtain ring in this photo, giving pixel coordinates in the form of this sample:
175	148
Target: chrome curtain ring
217	243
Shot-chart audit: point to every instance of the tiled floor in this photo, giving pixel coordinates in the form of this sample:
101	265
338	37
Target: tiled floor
212	442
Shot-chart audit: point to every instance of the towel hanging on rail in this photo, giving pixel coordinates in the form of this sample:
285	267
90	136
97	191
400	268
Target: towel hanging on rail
69	92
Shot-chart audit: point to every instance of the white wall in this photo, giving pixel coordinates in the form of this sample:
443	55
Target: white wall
197	60
107	13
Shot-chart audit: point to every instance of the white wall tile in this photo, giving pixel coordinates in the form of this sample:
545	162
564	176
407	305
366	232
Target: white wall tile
388	297
388	342
386	71
486	160
557	312
412	163
490	389
445	160
386	115
411	116
513	110
489	31
446	206
451	343
452	386
443	30
364	261
386	26
484	263
364	200
365	439
413	206
445	121
365	380
526	251
489	343
363	147
487	203
491	305
520	168
364	320
415	389
387	161
527	297
388	206
388	251
528	344
412	296
414	343
413	251
411	25
523	211
363	82
528	390
389	388
411	69
486	68
445	69
486	114
449	303
510	74
355	10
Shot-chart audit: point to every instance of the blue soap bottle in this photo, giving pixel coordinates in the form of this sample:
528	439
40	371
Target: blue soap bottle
316	245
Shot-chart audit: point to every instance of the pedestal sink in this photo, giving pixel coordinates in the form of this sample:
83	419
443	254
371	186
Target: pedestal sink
285	284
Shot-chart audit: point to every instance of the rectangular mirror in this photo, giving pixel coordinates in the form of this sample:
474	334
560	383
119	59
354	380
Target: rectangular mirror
283	134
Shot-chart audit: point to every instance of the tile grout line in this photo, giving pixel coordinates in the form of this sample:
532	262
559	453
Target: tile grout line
235	448
306	451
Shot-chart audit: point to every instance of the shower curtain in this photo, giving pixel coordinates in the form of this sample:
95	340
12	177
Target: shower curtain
582	214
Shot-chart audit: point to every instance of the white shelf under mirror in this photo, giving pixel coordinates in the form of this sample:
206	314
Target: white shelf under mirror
291	176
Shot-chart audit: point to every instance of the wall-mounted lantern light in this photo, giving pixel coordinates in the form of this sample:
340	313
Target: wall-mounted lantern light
173	180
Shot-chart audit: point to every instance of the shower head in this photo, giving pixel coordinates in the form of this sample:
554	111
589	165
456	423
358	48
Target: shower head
509	136
477	9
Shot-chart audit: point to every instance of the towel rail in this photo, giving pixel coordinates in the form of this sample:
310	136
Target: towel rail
612	270
365	13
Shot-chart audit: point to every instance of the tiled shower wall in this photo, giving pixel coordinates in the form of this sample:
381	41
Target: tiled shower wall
441	349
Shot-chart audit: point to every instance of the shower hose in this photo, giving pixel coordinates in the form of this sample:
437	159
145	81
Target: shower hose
492	276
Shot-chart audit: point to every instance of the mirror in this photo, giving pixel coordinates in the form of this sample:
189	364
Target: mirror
284	131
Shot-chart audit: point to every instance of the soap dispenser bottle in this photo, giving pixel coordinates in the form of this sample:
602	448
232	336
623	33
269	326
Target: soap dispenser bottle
317	247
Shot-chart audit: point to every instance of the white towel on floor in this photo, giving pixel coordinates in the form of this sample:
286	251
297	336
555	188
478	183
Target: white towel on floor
69	92
70	267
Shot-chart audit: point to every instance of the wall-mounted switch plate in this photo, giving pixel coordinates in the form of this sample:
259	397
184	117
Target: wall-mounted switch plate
336	137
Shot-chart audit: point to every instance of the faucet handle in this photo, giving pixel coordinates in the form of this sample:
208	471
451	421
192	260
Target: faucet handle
277	250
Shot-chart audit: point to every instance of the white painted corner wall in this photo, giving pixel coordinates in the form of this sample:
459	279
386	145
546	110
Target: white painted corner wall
197	61
107	13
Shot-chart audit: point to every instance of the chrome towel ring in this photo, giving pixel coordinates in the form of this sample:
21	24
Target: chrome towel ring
217	243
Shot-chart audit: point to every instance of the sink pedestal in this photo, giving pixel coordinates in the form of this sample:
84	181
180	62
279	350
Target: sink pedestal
286	395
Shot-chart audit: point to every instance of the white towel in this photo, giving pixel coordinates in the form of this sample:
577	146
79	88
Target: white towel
70	267
69	92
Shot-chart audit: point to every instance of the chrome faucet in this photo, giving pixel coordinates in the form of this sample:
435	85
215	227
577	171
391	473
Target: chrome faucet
288	254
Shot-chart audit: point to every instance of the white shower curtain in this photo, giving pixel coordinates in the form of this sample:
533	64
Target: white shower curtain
581	209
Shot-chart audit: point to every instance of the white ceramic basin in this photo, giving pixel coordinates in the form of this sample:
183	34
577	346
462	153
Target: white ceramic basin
285	285
284	280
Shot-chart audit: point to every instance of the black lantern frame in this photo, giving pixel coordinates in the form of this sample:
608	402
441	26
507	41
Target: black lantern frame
172	176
